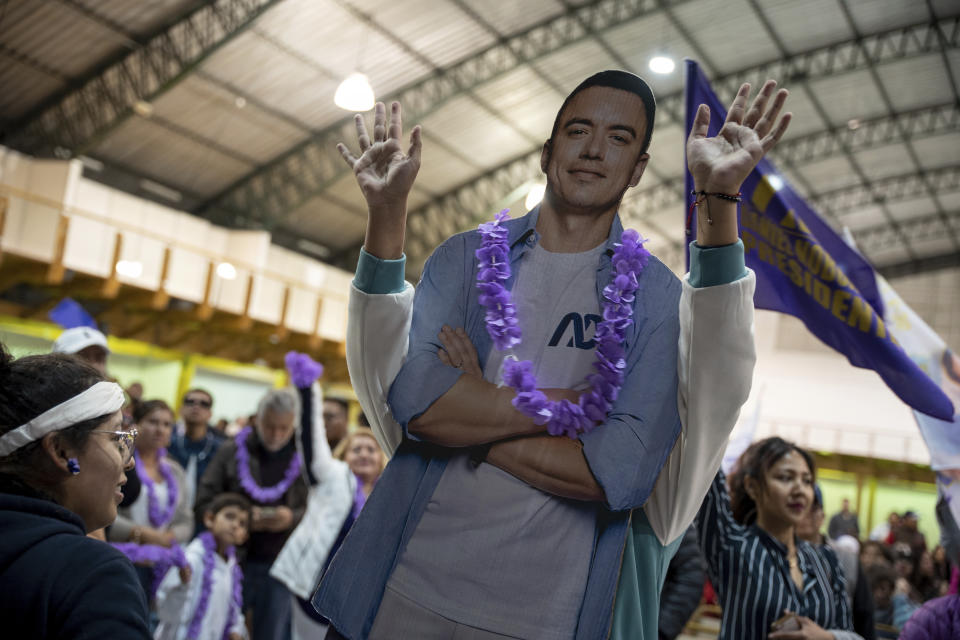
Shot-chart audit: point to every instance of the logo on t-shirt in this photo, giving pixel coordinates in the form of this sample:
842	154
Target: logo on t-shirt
579	325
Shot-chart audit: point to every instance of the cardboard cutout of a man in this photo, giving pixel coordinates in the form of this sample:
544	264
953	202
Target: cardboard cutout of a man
530	543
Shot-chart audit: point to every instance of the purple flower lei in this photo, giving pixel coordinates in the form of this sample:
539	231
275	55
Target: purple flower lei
236	603
563	417
160	558
206	587
159	519
255	491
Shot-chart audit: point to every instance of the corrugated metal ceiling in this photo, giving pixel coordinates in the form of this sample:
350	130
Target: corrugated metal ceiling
265	95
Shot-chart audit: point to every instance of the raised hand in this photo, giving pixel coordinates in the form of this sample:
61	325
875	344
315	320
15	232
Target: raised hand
721	163
385	175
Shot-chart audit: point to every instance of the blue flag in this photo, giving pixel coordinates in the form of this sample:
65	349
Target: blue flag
69	314
806	270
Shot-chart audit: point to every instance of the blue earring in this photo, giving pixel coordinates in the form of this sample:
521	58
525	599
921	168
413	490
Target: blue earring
73	466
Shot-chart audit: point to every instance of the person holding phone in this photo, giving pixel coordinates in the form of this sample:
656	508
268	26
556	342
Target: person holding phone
262	463
771	584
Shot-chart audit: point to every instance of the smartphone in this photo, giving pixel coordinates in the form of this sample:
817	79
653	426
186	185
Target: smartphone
268	512
788	622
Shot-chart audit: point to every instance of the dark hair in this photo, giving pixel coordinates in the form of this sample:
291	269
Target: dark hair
885	551
754	463
31	385
143	409
224	500
199	390
340	401
616	79
879	573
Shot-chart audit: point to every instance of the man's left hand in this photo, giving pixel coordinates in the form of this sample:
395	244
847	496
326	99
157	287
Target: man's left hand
722	163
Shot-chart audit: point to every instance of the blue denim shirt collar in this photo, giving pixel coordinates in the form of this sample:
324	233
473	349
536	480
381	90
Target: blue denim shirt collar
522	236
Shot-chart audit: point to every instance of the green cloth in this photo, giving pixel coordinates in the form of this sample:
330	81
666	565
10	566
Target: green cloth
710	266
379	276
644	568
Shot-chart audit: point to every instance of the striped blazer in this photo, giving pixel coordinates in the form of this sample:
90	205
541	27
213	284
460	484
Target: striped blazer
751	575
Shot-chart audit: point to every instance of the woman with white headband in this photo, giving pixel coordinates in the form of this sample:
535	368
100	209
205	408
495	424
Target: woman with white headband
62	461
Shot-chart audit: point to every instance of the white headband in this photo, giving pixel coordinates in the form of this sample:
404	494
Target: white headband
100	399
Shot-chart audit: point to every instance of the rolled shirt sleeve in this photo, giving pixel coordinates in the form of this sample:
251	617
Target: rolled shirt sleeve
439	299
712	266
625	453
376	275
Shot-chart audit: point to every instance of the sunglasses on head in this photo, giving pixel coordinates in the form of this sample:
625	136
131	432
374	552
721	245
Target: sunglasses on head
197	402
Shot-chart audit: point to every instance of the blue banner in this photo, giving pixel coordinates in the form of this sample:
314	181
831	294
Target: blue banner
806	270
69	314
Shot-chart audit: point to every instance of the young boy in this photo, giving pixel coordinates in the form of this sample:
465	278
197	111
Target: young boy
209	602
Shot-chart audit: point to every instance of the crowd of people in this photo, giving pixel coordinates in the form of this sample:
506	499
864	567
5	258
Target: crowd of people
535	488
191	533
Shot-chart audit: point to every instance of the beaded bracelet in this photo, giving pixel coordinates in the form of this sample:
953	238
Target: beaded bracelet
700	196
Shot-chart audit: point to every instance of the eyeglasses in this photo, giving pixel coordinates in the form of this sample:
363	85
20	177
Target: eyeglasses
195	402
125	441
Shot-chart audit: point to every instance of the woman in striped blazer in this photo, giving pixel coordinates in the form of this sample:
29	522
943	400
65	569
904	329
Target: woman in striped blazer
770	583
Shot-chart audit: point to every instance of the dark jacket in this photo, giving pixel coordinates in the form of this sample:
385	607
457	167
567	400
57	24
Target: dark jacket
182	449
267	469
56	583
682	587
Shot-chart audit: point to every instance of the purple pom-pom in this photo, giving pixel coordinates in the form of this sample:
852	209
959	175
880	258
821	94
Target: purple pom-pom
303	369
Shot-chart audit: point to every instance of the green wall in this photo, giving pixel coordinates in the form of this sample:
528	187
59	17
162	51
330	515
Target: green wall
918	497
158	377
20	345
236	388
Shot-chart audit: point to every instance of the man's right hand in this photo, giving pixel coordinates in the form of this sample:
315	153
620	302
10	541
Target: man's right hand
458	352
385	176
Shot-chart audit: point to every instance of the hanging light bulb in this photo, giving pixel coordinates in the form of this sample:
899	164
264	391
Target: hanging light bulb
662	64
534	196
354	93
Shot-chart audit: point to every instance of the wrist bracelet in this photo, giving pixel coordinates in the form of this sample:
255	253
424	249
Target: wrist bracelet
734	197
700	196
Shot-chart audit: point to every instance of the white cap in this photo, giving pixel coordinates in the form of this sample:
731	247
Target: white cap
79	338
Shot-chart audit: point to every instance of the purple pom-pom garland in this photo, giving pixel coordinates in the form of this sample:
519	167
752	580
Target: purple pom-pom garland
561	417
159	518
206	588
255	491
236	603
160	558
206	584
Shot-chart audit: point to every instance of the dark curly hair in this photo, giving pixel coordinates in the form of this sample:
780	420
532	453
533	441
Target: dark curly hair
29	386
143	409
754	463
